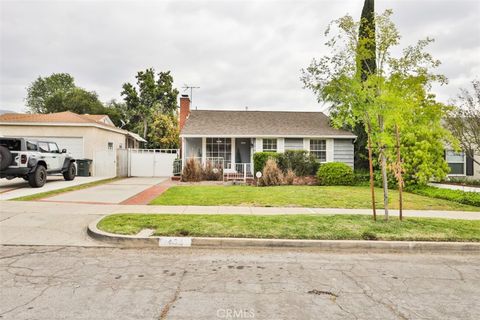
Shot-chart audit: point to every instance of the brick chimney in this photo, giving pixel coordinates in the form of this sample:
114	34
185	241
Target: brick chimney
184	110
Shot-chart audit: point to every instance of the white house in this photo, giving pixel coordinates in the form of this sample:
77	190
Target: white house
232	137
84	136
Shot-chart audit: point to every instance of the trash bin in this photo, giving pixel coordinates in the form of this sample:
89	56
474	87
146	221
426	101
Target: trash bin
84	167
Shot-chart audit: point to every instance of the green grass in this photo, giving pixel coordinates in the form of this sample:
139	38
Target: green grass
52	193
354	197
333	227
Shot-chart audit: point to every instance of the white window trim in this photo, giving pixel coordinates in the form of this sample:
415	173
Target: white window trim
464	165
326	151
270	150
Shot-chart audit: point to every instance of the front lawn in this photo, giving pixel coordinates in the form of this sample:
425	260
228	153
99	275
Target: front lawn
355	197
332	227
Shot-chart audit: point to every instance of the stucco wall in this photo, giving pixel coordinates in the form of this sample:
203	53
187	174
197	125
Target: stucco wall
95	140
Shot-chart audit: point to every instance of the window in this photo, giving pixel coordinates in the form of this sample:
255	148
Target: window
110	146
270	145
31	146
293	144
456	162
319	149
43	146
220	148
53	147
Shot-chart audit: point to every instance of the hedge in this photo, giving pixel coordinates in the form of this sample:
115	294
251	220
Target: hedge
260	158
335	174
300	161
469	198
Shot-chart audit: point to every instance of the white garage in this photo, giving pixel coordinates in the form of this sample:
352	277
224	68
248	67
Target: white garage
85	136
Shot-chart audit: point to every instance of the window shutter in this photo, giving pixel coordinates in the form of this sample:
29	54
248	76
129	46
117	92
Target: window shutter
469	166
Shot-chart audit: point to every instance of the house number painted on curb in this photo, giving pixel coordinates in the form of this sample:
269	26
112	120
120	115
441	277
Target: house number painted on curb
175	242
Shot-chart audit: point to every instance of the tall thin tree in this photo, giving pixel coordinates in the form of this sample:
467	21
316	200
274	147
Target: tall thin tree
366	66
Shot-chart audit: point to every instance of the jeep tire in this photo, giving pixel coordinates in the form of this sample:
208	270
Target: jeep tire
70	173
38	178
5	158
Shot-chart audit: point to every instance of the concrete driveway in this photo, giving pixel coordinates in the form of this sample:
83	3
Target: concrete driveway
109	193
10	189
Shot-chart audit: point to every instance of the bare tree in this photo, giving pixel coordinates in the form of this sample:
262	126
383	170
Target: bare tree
464	120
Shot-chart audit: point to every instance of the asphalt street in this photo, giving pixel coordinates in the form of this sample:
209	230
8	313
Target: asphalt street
47	282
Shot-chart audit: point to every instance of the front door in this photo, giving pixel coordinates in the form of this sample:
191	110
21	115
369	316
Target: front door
242	152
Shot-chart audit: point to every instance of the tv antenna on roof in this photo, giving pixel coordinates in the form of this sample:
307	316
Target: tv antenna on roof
186	87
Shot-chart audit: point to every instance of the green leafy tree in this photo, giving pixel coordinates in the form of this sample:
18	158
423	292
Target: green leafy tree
154	93
372	99
77	100
42	90
164	131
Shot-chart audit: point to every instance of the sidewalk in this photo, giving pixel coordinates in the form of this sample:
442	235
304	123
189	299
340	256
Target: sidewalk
455	187
42	207
57	223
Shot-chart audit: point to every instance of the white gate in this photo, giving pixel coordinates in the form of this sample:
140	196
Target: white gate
151	162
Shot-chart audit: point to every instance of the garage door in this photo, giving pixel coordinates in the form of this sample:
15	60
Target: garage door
74	145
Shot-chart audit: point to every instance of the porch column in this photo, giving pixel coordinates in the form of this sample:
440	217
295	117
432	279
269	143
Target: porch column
233	153
183	151
204	150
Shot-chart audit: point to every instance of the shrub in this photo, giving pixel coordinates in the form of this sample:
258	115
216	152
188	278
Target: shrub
192	171
469	198
334	174
300	161
391	180
260	159
272	175
289	177
362	177
211	172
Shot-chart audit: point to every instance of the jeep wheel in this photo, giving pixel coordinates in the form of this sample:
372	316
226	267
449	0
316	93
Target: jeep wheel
5	158
38	178
70	173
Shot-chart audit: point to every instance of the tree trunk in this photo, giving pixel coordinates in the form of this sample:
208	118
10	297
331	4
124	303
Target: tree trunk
383	161
145	127
370	164
399	174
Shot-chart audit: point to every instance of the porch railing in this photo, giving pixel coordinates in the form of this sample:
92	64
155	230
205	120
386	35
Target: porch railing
239	171
231	171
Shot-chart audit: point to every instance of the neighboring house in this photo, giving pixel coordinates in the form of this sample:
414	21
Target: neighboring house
85	136
232	137
462	165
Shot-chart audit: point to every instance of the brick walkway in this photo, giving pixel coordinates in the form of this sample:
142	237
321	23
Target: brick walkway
149	194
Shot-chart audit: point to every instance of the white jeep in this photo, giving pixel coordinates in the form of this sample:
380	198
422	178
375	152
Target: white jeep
33	160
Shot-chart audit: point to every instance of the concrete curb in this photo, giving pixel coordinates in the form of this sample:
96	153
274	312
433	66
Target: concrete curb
324	245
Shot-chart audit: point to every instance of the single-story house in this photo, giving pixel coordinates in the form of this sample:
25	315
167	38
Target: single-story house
462	166
85	136
232	137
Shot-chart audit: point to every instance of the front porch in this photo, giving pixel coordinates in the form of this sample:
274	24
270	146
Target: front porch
233	155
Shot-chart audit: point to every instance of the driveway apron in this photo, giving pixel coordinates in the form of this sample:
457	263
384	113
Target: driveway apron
110	193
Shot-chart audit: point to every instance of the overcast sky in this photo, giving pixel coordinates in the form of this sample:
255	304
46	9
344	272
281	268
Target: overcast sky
240	53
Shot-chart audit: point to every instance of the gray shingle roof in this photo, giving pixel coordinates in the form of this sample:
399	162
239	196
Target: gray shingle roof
260	123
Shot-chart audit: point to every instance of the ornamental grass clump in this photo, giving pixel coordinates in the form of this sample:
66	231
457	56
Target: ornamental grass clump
192	172
212	172
272	175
